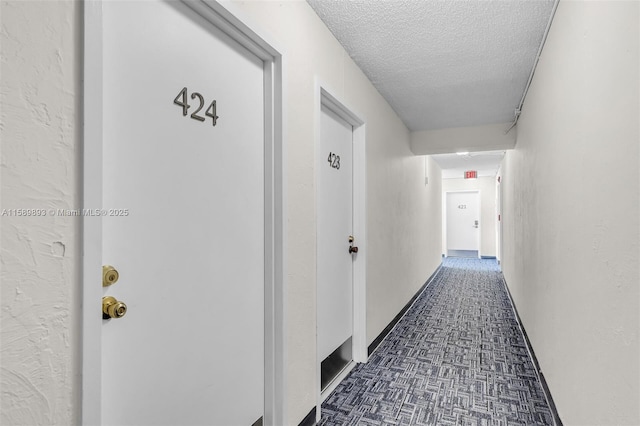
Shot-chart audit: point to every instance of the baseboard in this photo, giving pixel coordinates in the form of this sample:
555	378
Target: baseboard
310	419
376	342
487	257
545	387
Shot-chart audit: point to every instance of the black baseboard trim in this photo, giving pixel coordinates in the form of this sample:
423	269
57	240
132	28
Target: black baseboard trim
310	419
487	257
545	387
394	321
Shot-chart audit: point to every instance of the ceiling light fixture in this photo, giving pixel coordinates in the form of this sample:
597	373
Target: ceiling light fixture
463	153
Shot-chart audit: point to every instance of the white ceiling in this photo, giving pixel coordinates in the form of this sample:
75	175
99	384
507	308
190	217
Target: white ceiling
442	64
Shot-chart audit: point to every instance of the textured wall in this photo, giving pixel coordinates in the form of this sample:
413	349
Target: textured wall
571	213
403	215
40	170
488	216
404	228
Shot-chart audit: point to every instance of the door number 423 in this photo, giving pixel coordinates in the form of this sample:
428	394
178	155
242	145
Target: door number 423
182	101
334	161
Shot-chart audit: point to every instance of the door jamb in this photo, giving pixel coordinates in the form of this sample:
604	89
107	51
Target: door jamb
229	19
324	97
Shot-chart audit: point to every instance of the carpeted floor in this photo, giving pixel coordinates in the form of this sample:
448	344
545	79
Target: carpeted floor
456	358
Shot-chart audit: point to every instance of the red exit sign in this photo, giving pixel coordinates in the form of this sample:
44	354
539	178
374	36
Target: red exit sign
471	174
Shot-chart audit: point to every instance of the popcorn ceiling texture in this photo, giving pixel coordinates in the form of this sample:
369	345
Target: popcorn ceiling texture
442	64
40	169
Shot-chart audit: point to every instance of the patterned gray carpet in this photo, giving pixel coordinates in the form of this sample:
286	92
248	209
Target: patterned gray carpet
456	358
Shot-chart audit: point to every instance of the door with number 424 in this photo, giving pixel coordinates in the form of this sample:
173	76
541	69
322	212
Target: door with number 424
191	254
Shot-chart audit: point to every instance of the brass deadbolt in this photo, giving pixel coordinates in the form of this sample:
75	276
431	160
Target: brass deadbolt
111	308
350	238
109	275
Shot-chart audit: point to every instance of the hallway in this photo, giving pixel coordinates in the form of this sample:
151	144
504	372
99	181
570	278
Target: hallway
457	357
183	147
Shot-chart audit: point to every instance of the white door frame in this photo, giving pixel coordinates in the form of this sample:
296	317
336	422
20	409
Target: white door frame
226	19
323	97
444	219
498	219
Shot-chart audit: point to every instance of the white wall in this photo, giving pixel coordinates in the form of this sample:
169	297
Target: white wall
41	167
40	133
490	137
571	213
488	214
403	214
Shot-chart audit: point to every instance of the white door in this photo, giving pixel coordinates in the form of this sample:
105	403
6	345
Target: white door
335	226
498	220
190	245
463	221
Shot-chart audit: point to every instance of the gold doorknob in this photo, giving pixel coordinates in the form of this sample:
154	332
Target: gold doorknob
111	308
109	275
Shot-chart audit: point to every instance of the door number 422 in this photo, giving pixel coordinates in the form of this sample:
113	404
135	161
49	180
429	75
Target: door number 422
182	101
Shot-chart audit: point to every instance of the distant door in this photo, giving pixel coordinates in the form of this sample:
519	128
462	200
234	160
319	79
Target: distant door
334	261
463	223
188	230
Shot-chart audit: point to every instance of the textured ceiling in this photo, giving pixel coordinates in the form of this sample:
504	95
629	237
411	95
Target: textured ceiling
442	64
485	163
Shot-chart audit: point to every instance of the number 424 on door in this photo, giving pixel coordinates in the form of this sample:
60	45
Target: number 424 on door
182	101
